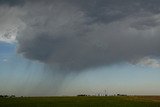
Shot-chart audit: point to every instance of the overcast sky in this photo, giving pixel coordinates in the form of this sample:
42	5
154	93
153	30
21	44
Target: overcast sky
69	47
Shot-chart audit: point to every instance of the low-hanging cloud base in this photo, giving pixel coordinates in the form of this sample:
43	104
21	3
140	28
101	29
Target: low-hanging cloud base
77	35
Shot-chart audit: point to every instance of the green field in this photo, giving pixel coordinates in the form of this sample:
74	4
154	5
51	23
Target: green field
113	101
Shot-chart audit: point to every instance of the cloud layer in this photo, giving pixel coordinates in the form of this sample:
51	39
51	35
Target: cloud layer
77	35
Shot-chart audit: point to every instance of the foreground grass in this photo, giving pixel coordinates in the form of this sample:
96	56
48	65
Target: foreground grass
123	101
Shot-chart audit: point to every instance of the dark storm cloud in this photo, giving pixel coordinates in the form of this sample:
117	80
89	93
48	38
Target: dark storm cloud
12	2
111	10
81	34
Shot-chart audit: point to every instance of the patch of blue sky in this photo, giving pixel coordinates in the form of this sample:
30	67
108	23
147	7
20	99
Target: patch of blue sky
6	51
6	48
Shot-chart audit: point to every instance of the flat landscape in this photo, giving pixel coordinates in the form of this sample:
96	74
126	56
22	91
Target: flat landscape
110	101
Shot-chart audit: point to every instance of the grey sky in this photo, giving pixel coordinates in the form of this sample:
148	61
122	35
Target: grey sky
81	34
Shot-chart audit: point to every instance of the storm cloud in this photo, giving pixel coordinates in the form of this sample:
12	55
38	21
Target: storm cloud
73	35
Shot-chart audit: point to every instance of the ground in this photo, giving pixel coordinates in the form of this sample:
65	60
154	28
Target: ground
111	101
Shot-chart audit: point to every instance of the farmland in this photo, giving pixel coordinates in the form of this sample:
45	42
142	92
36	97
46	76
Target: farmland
110	101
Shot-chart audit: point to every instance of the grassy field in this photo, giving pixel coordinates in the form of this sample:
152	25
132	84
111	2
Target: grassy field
114	101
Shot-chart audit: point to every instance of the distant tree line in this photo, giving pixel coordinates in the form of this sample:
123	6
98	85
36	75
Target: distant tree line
121	95
91	95
82	95
7	96
102	95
